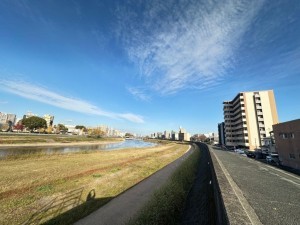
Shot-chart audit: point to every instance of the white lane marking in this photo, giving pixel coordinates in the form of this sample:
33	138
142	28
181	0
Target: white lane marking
288	180
283	178
281	171
271	167
239	194
263	168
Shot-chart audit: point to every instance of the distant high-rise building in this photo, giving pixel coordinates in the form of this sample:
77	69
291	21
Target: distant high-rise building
159	135
174	135
249	118
49	119
5	118
183	135
167	135
221	131
2	118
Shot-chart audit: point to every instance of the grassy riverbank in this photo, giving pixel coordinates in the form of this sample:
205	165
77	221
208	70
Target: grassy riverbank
167	204
15	139
27	185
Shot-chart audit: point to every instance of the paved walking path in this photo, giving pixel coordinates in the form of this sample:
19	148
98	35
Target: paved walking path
125	206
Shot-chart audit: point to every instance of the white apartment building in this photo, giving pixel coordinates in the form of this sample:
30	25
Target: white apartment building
167	134
49	119
249	118
183	135
6	117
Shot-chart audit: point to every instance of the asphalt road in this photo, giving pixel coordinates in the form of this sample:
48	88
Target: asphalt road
267	195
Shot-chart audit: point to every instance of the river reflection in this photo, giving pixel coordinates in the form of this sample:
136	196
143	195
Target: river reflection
69	149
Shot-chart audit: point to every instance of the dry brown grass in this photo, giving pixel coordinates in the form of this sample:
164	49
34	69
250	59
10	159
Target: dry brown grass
50	139
28	184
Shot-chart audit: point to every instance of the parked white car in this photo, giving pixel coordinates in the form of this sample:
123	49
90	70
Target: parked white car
240	151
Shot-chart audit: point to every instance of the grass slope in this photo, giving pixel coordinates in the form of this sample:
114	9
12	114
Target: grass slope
77	183
167	204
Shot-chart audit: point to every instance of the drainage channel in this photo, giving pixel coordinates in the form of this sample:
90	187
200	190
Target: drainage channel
204	204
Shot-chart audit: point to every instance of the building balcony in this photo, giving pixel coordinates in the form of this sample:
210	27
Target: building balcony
239	132
227	113
238	127
237	107
237	116
236	122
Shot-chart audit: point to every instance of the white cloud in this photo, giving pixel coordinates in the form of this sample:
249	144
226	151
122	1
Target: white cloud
139	93
187	45
3	102
42	94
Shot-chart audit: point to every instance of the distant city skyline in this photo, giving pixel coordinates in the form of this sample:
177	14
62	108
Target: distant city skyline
148	66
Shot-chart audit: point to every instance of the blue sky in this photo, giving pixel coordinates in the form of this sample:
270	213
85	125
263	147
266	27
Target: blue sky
147	66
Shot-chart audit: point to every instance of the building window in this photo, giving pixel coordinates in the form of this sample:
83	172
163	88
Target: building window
287	135
292	156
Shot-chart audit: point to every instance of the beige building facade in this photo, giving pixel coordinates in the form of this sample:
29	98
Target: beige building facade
249	118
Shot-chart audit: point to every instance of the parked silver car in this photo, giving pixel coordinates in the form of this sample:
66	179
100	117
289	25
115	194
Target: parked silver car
273	158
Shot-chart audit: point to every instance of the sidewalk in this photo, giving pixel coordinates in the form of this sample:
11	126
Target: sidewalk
125	206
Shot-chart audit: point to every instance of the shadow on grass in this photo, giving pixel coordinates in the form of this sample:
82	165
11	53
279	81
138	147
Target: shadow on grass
67	209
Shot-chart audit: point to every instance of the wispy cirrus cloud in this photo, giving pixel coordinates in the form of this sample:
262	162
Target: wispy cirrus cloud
3	102
184	44
139	93
42	94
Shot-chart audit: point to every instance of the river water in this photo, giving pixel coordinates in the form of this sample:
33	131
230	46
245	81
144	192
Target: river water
69	149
